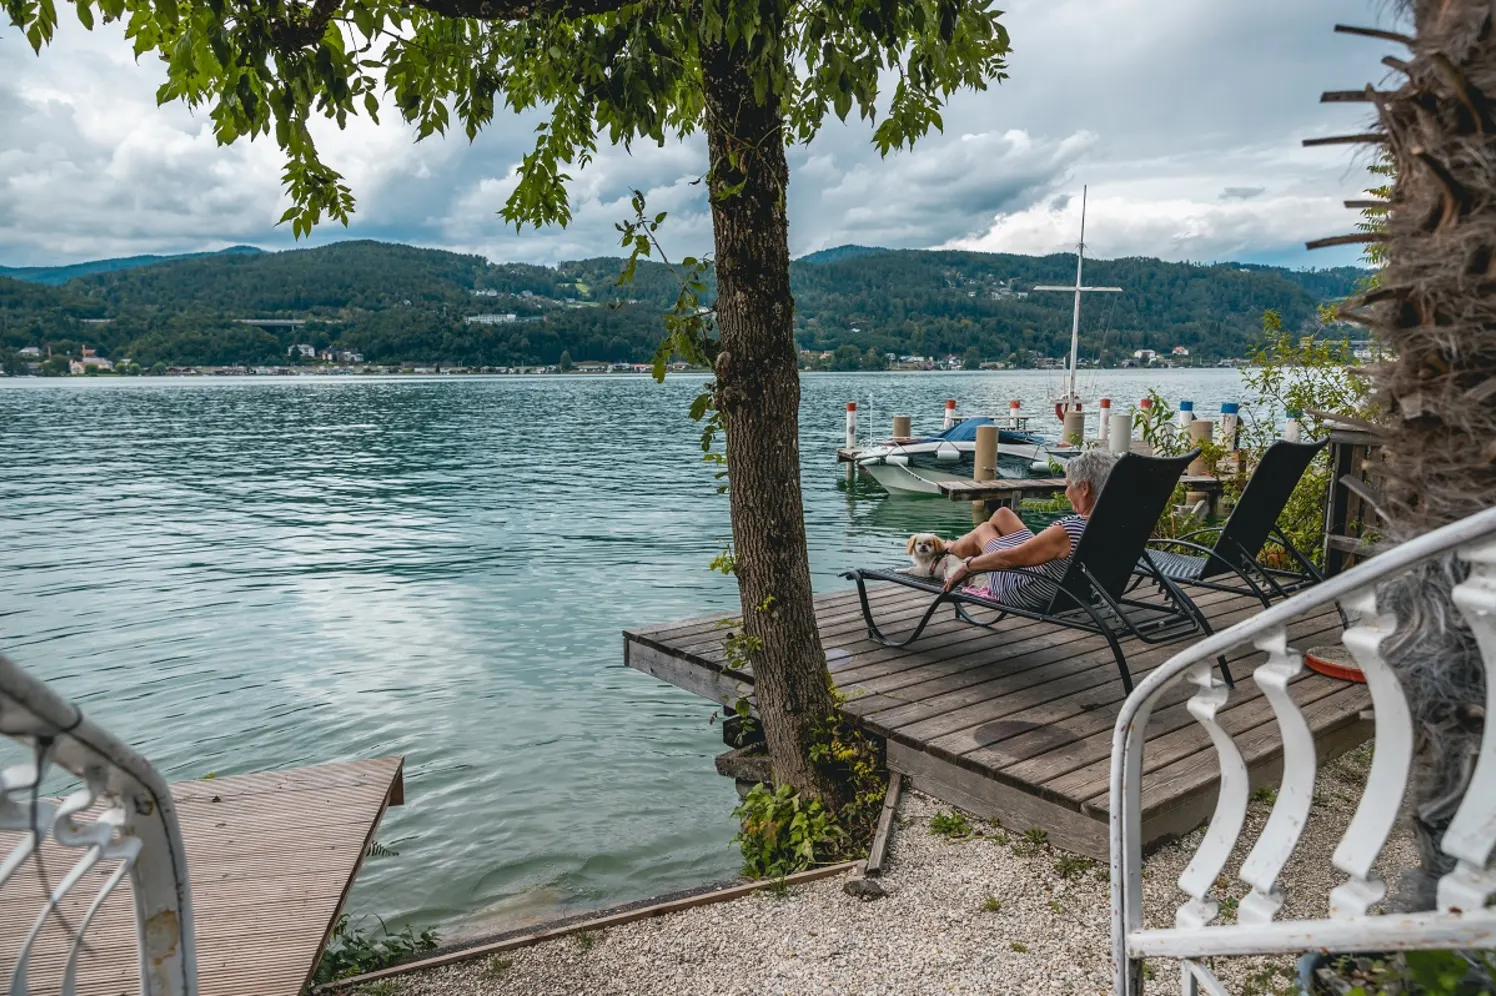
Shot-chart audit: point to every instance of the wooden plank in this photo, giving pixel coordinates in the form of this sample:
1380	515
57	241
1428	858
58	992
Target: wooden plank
1069	733
875	854
271	857
1015	809
707	682
1190	739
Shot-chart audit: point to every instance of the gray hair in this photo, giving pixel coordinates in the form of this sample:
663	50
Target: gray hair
1090	468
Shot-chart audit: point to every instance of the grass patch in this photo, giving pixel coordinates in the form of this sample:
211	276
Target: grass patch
1030	843
1070	866
950	825
587	939
992	905
497	966
1266	794
1019	946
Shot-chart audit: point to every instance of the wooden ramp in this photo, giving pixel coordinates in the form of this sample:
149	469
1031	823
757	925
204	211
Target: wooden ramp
271	858
1015	722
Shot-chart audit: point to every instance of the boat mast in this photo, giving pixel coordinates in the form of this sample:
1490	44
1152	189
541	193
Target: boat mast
1071	401
1080	261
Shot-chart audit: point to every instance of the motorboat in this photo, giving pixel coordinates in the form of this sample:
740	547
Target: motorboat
917	466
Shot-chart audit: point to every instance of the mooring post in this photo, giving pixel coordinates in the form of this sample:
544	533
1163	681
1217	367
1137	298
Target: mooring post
985	461
901	427
1200	430
1120	434
950	413
1103	426
851	425
1015	411
1230	425
1075	426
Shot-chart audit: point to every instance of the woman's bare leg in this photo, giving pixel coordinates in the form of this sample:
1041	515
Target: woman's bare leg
973	542
1003	522
1006	521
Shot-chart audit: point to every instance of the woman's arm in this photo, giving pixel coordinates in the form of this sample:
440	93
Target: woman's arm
1051	544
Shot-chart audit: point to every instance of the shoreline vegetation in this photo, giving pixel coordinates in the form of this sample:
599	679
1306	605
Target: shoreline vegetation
385	305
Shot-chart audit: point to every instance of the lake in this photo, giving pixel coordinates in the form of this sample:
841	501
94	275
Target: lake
241	574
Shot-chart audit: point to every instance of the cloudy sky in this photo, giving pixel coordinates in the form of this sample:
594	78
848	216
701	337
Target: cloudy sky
1184	117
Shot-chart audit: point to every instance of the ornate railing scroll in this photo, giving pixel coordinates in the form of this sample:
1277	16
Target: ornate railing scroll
121	819
1462	919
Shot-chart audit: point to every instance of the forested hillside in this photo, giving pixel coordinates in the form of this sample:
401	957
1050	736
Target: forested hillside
397	303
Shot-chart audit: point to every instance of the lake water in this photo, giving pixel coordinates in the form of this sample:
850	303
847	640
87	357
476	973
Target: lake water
243	574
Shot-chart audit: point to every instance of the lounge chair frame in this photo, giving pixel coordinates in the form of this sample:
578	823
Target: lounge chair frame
1084	601
1239	540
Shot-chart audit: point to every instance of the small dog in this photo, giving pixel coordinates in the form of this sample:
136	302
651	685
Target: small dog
930	556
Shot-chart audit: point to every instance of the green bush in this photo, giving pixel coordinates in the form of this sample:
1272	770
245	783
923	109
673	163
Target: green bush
782	834
355	950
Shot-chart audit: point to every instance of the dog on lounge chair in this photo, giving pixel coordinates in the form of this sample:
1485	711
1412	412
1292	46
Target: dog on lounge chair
930	558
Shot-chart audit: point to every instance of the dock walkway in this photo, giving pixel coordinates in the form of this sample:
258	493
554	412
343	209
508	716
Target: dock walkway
270	856
1015	722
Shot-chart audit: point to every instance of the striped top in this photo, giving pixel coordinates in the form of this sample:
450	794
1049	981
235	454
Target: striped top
1024	590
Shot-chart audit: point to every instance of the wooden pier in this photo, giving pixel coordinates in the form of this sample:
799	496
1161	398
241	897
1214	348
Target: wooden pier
1015	722
270	856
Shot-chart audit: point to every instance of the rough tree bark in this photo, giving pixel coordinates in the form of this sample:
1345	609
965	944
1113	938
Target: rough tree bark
1435	308
758	392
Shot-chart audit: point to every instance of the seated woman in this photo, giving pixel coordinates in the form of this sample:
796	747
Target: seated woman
1004	541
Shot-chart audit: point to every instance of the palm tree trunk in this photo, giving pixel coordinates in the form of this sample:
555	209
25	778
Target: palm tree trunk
1435	309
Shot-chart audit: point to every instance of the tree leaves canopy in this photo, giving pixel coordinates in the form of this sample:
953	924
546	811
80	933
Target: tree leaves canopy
603	70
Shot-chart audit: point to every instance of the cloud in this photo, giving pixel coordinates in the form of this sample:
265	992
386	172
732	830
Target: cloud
1184	129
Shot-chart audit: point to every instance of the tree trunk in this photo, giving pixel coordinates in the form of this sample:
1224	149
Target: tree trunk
1435	308
758	392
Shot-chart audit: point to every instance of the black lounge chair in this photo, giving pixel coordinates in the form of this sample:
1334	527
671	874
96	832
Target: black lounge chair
1093	594
1239	541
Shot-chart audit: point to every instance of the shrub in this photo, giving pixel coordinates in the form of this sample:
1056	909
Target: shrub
782	834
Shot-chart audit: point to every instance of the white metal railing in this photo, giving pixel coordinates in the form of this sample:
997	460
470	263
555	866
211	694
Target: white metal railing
1462	919
135	831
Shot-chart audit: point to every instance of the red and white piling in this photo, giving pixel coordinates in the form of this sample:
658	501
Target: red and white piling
1103	429
950	413
851	425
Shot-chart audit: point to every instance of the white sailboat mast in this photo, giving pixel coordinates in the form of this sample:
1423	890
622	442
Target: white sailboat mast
1072	399
1080	262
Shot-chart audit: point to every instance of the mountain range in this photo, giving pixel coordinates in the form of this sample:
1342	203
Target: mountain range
402	304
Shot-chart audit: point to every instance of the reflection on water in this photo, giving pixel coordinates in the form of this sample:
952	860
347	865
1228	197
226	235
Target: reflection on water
249	574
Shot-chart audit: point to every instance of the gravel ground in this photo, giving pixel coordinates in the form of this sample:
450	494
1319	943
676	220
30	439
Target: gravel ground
993	913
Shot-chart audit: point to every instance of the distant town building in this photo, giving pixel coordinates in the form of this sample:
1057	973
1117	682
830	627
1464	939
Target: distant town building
1181	351
304	349
31	351
491	319
90	359
1144	355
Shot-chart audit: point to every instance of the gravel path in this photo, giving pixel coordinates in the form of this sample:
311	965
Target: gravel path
993	913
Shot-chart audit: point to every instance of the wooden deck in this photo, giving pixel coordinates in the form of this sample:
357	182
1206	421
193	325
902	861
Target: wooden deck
1015	723
271	858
